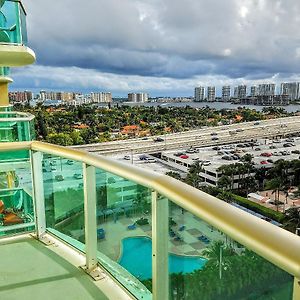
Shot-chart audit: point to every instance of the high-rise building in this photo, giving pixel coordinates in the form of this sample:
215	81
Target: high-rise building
266	89
292	89
199	94
211	93
240	91
101	97
253	91
138	97
20	97
226	92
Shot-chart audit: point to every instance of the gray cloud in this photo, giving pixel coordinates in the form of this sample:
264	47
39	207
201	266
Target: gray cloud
249	39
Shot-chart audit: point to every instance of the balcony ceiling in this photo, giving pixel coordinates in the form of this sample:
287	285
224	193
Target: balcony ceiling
16	56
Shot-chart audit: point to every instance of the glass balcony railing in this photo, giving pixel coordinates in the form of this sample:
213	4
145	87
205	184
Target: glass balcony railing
4	71
16	127
158	237
13	23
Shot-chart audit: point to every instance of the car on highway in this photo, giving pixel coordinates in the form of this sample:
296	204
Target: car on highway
158	139
143	157
217	148
150	160
184	156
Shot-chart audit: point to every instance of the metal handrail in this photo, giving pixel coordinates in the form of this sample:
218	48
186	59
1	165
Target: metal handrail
275	244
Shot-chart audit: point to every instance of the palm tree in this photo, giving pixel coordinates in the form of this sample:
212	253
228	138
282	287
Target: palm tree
217	254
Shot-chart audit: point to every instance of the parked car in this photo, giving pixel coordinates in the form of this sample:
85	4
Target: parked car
206	163
266	154
272	147
295	151
184	156
213	133
179	154
70	162
127	157
286	145
256	123
59	178
78	176
263	162
214	138
270	161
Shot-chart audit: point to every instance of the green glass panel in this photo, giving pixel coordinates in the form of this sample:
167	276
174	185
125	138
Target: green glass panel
16	131
64	200
124	230
14	156
16	204
204	263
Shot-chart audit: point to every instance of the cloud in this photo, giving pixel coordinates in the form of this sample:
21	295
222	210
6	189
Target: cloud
38	78
168	38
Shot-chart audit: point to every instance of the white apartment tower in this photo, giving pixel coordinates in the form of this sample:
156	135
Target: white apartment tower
266	89
226	92
138	97
292	89
211	93
101	97
199	94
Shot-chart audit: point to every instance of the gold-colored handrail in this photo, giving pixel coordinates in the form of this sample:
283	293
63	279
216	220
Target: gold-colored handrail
275	244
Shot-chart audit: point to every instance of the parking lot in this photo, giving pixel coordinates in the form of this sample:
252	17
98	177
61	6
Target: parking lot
263	151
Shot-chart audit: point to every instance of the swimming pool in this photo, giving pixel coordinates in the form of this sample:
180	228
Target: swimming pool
136	258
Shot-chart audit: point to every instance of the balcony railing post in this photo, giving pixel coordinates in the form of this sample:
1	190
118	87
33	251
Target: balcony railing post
38	193
296	293
89	185
160	244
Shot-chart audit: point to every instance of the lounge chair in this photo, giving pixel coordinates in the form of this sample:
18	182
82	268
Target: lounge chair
181	228
100	234
131	227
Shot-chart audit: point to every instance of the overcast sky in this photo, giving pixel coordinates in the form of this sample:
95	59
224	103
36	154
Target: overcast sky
165	47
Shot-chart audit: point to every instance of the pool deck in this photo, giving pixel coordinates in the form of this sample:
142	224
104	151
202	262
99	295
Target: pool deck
189	246
31	270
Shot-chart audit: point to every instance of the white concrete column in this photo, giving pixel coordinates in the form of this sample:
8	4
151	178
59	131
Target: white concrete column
160	244
296	293
90	221
38	193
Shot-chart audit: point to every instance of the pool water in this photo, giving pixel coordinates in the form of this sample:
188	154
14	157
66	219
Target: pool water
137	254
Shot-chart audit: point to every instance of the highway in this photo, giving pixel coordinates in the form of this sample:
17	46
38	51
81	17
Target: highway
203	137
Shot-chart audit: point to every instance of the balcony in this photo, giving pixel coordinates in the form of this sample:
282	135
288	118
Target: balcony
156	237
